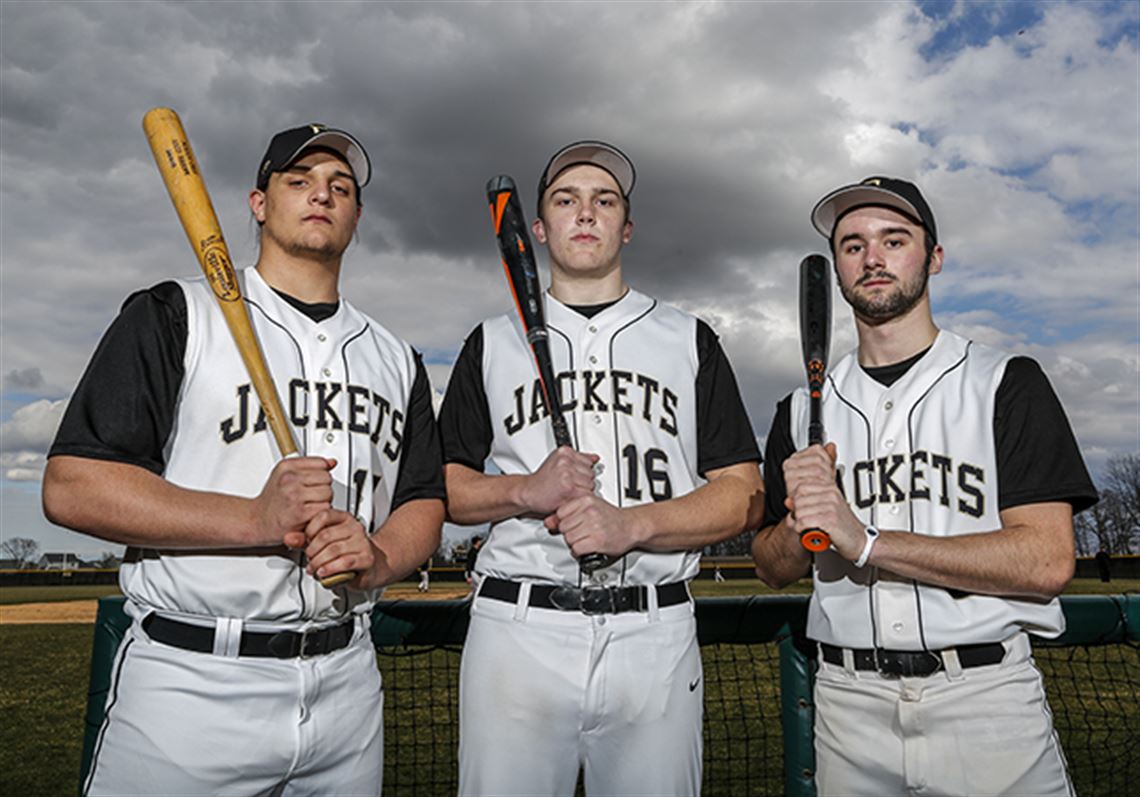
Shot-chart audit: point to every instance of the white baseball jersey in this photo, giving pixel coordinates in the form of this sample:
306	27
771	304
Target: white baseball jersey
345	384
627	381
920	456
646	388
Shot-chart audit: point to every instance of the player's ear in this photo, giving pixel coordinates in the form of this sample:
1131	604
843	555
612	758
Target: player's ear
257	205
627	232
936	255
539	230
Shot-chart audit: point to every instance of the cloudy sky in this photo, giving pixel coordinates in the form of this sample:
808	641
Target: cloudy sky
1019	120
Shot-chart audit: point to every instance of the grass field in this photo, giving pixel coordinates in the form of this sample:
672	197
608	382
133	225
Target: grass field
44	671
702	588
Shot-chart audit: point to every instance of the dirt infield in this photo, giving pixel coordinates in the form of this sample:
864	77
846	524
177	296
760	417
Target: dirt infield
57	612
84	611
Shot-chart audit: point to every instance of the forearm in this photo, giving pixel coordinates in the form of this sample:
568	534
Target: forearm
406	540
132	506
731	502
474	498
779	557
1031	556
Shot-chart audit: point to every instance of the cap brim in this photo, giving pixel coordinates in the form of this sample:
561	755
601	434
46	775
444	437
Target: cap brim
347	146
595	153
832	207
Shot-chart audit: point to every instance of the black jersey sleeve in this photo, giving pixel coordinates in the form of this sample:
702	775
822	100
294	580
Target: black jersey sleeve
1037	453
123	407
421	468
464	418
777	448
724	433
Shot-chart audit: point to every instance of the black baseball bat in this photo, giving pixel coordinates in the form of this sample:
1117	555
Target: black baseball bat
815	338
522	275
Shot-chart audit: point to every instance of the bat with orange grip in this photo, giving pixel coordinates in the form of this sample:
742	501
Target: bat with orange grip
522	276
815	338
179	169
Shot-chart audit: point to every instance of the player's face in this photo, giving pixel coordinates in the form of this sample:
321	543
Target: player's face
310	209
584	224
881	262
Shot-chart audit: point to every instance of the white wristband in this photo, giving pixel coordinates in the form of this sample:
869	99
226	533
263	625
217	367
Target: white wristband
872	535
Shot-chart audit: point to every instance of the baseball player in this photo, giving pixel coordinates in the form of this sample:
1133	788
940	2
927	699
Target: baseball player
241	673
602	672
948	485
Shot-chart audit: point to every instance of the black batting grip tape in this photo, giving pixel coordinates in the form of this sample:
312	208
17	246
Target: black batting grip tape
522	275
815	338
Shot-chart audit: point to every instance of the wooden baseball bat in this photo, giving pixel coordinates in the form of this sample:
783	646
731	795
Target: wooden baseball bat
179	169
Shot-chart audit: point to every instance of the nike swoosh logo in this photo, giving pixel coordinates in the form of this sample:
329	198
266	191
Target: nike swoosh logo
693	685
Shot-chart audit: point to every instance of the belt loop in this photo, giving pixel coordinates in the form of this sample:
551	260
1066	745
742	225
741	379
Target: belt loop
651	599
522	604
952	664
848	662
227	636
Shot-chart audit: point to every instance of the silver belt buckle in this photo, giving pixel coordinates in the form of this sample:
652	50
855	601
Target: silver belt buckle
596	600
566	598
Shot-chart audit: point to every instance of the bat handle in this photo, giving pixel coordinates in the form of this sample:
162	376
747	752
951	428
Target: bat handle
592	562
815	540
336	579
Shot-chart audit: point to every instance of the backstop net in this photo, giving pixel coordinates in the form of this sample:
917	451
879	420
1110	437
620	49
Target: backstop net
758	679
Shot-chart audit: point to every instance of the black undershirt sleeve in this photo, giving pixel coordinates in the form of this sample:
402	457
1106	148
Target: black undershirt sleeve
1037	453
421	471
123	407
777	449
724	433
464	418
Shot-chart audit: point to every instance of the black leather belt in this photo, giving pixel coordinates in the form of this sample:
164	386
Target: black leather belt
910	663
279	645
588	600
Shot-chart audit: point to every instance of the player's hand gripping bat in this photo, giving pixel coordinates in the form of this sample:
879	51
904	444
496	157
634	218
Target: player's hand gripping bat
815	337
522	275
179	169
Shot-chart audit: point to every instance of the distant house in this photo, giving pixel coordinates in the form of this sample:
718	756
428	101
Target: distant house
10	564
59	561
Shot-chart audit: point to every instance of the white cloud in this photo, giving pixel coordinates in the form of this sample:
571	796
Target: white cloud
738	115
32	426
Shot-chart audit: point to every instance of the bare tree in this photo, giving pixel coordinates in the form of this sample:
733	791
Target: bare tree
1122	476
1113	525
23	549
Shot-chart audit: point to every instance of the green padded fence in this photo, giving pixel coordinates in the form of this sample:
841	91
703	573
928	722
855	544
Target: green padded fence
758	692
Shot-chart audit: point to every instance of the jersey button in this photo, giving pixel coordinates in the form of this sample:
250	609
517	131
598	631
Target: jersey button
593	359
330	437
597	419
889	405
889	443
321	337
592	328
327	372
897	627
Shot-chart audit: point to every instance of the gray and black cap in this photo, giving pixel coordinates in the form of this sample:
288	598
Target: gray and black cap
887	192
597	153
287	146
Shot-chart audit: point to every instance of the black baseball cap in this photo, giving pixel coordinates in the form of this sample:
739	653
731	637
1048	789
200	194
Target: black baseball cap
874	191
287	146
597	153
